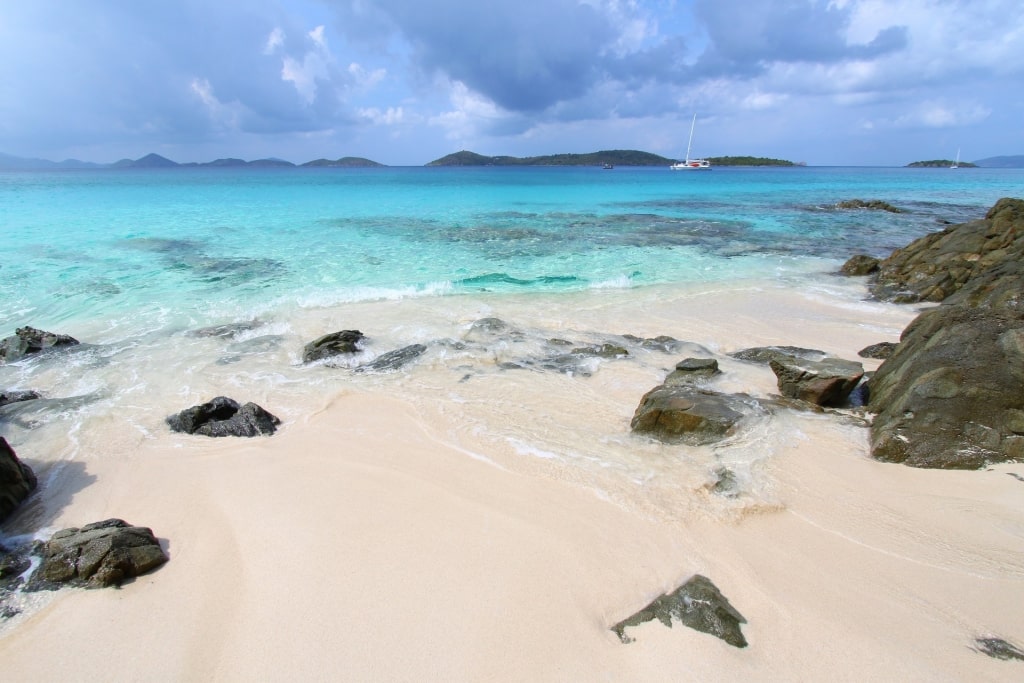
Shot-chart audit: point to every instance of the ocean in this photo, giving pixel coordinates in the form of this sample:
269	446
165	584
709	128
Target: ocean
134	262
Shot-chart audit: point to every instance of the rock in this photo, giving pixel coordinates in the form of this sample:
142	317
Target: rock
997	648
879	351
17	480
17	396
230	330
662	342
685	414
224	417
97	555
691	370
764	354
29	340
861	264
333	344
937	265
394	360
490	329
950	396
698	604
872	204
605	350
825	383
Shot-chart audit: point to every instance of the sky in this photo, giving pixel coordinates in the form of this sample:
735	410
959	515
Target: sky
403	82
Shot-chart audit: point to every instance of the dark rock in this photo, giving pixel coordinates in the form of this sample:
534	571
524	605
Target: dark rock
692	370
879	351
394	360
872	204
490	329
825	383
29	340
937	265
97	555
725	483
605	350
333	344
224	417
997	648
17	396
17	480
685	414
861	264
698	604
950	396
764	354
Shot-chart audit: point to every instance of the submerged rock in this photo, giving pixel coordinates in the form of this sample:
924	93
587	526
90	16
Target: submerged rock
28	340
224	417
97	555
230	330
333	344
697	604
872	204
394	360
17	480
825	383
17	396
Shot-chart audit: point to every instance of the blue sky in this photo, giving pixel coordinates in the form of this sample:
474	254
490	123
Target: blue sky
858	82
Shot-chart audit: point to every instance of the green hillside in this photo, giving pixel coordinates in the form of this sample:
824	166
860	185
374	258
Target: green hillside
615	157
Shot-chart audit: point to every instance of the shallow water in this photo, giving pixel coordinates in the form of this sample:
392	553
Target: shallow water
132	263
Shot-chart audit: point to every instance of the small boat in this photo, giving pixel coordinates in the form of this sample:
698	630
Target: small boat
691	164
608	167
956	164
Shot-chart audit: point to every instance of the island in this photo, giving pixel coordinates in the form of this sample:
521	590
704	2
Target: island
752	161
613	157
942	163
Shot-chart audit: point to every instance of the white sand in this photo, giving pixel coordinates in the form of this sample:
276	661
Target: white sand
419	527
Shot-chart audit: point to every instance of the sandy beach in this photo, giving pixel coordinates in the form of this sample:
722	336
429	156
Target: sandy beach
459	522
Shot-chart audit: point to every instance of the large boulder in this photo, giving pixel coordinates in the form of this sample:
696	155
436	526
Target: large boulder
937	265
333	344
685	414
223	416
826	382
97	555
950	395
17	480
698	604
28	340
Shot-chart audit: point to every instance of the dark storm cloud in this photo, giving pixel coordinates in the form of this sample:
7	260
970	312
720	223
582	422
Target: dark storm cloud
745	36
524	56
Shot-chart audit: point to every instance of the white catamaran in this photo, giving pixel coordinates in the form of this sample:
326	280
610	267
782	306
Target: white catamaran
956	164
691	164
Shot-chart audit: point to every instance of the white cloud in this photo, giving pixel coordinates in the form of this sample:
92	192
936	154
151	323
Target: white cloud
387	117
366	79
274	41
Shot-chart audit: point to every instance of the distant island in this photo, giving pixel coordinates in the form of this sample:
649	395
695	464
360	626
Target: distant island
1014	161
941	163
612	157
752	161
8	162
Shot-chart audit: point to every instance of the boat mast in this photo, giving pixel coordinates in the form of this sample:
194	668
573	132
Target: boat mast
690	143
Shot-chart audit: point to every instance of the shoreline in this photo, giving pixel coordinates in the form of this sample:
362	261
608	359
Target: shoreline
400	527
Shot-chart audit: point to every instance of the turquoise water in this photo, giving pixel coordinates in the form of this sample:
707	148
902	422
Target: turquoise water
132	263
206	243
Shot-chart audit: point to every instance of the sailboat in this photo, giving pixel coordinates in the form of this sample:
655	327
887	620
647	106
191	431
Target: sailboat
691	164
956	164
